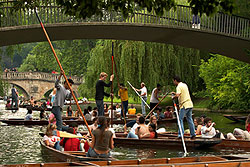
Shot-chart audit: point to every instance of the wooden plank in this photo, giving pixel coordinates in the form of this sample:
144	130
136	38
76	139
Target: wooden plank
154	161
182	160
207	159
124	162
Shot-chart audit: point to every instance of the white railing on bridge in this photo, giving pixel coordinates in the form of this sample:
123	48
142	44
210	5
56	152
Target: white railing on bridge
37	76
182	17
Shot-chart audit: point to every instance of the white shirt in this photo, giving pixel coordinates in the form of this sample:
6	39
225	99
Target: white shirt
144	90
52	139
132	130
205	134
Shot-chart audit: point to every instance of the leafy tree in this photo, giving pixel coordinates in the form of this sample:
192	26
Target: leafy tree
151	63
227	81
86	9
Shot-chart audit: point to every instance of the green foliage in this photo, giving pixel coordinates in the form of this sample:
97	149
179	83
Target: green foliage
73	56
87	9
138	62
227	81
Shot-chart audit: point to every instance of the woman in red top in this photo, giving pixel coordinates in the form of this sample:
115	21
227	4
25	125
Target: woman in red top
70	144
248	123
152	130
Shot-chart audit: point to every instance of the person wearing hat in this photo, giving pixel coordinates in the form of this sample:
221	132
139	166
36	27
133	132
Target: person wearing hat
143	91
62	93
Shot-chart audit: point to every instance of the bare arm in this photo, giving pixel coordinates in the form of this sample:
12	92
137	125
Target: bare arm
210	128
146	135
111	143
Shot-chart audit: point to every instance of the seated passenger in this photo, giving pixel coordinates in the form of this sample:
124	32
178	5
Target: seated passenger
152	130
28	116
87	115
133	124
132	110
50	139
208	131
43	115
198	125
70	144
169	112
8	105
142	130
102	140
69	112
160	115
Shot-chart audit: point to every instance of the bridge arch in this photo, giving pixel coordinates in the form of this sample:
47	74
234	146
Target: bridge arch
19	87
36	84
222	34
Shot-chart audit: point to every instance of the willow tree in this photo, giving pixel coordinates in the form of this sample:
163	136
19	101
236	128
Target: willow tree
138	62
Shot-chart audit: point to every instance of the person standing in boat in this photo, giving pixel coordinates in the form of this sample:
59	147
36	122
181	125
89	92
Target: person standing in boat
123	94
154	99
99	95
62	93
102	140
143	91
14	96
186	105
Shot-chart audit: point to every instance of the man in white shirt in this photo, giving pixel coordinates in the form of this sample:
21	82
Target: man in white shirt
143	91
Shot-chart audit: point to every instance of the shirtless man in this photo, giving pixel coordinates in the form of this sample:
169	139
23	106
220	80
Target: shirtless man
142	130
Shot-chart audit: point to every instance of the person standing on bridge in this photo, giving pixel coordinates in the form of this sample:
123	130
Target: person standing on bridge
99	95
14	96
62	93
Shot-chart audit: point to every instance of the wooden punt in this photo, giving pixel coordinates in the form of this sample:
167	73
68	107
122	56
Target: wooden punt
166	142
69	156
225	143
55	164
205	161
176	162
236	118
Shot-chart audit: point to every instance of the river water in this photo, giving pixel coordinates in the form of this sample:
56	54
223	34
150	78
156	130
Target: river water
20	144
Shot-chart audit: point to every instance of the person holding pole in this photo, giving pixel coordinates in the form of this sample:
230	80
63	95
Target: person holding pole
154	99
62	93
123	94
186	105
14	96
143	91
99	95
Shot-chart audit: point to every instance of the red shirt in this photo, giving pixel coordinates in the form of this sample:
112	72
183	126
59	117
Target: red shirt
152	135
248	127
71	144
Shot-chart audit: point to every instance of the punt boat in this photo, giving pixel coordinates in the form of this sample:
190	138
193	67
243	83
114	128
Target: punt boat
236	118
225	143
205	161
162	142
68	156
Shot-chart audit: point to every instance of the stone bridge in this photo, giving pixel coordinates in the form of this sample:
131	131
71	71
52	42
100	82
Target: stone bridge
36	84
228	35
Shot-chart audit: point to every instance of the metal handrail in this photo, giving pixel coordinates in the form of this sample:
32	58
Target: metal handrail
182	17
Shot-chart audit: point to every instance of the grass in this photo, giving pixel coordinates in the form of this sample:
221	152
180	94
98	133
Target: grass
201	102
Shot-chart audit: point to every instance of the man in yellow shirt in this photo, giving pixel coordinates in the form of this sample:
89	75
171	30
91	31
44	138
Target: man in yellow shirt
123	94
185	104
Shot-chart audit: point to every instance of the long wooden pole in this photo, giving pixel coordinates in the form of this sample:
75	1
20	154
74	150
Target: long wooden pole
65	77
138	94
112	61
123	112
179	124
156	105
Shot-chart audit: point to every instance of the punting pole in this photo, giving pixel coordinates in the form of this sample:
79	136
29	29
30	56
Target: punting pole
138	94
157	104
65	77
179	124
119	88
112	61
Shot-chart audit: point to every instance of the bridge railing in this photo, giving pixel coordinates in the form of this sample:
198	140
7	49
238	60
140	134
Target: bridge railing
182	17
37	76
